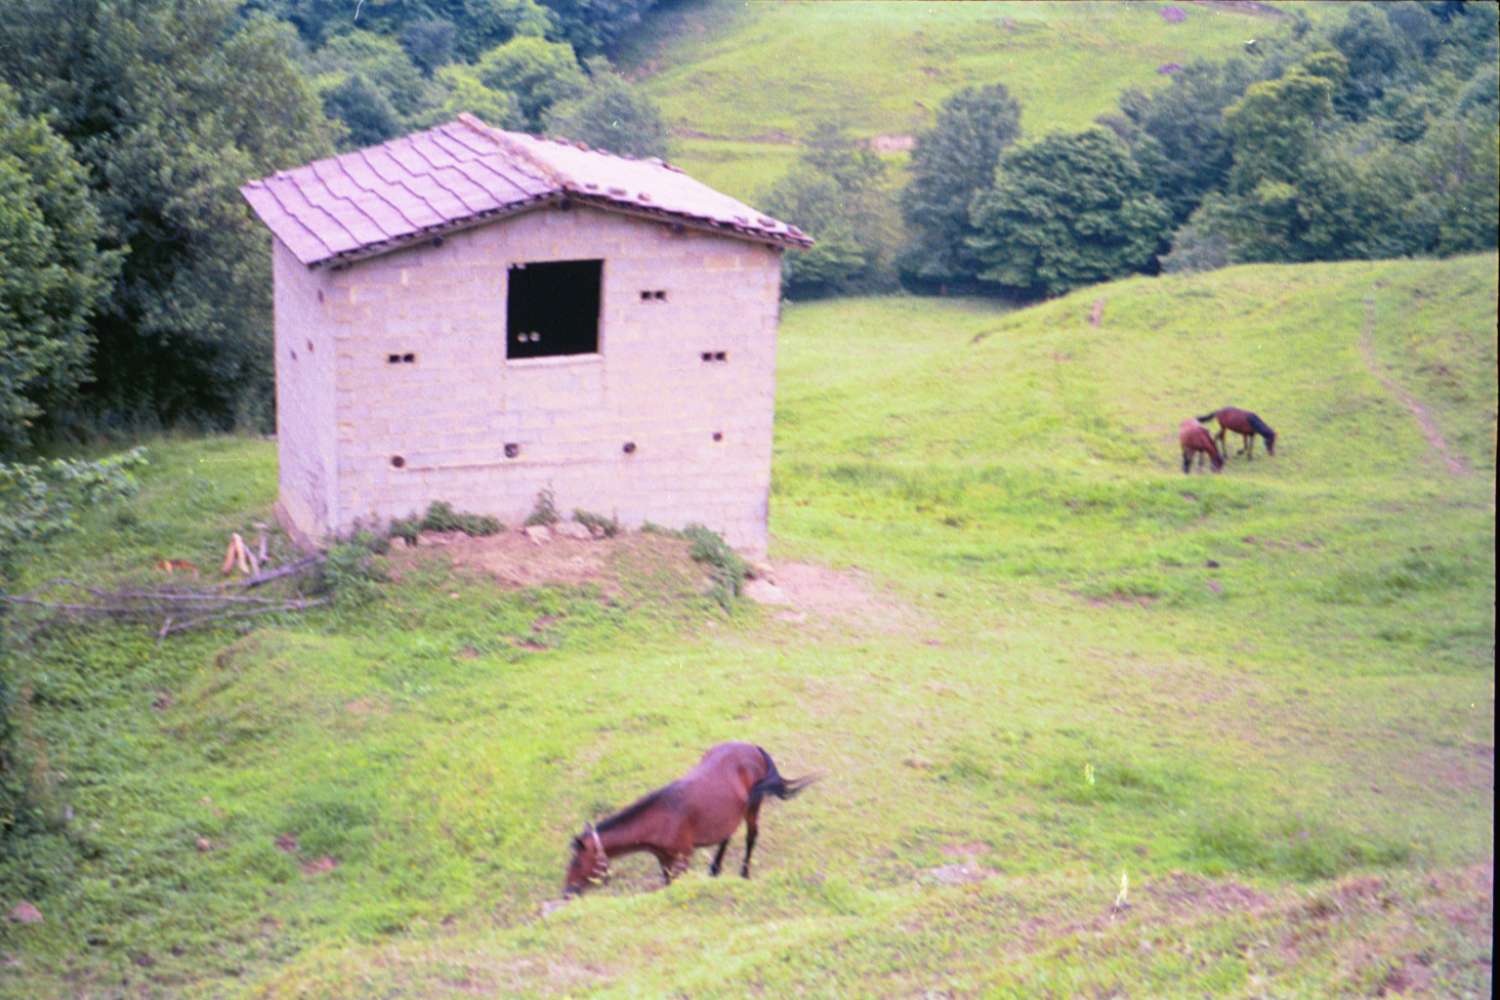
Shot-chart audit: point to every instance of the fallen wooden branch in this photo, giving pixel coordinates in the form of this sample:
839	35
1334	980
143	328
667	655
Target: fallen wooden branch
178	610
290	569
172	628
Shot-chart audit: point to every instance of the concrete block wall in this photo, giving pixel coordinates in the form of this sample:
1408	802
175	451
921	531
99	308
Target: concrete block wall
305	396
448	415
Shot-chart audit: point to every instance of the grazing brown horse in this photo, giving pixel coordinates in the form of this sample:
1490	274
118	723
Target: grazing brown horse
702	807
1246	425
1196	440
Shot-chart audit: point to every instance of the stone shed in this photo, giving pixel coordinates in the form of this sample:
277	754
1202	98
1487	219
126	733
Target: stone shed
473	315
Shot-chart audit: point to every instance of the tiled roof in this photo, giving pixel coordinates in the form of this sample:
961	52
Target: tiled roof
378	199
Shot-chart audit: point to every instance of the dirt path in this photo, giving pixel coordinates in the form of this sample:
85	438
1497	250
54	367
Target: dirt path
1435	439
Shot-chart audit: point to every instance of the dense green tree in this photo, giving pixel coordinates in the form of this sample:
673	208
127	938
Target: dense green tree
52	272
1177	133
595	26
429	43
836	192
1274	127
367	115
614	115
483	23
951	162
464	91
1066	211
374	82
1456	180
171	108
1379	57
536	73
1288	197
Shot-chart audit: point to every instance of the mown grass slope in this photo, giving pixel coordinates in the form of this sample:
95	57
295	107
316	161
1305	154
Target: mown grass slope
741	83
1036	660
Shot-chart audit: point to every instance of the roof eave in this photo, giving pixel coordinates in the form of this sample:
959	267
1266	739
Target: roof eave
669	217
438	231
664	216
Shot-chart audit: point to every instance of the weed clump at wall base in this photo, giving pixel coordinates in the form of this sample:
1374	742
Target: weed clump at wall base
441	516
605	527
350	574
725	566
544	512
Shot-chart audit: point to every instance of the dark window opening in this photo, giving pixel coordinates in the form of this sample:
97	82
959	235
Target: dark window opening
711	356
553	309
400	359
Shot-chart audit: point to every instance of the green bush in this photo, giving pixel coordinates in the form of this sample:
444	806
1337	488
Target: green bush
441	516
544	512
725	565
609	527
39	501
350	575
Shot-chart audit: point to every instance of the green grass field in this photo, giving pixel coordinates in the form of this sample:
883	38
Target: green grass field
741	83
1032	657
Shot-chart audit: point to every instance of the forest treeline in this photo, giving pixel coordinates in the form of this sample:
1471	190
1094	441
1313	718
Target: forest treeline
135	287
1373	135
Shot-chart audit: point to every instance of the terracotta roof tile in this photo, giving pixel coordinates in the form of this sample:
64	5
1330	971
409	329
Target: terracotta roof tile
384	197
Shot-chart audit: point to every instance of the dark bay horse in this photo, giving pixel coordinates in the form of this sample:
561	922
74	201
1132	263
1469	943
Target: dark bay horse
703	807
1246	425
1196	440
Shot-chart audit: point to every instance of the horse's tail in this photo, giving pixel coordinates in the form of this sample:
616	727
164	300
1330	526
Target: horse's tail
1207	417
774	784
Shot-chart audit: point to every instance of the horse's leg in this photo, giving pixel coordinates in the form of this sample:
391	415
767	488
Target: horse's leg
1249	447
1187	462
752	826
718	864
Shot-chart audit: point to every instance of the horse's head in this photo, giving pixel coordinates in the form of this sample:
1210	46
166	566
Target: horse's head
589	865
1218	462
1270	442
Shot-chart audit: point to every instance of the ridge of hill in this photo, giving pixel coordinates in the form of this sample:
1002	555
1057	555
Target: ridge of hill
1090	726
741	84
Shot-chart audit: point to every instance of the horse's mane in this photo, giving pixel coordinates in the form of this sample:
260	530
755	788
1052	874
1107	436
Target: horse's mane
630	812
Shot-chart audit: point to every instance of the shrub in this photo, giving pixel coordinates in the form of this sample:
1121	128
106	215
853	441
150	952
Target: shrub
545	511
725	565
41	500
441	516
350	575
609	527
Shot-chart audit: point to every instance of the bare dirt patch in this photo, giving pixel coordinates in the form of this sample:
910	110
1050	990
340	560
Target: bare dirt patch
1435	440
895	143
847	596
1181	893
513	559
972	849
1462	769
1117	598
1251	7
963	874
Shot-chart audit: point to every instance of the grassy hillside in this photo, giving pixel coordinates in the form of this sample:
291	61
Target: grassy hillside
1032	657
740	83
